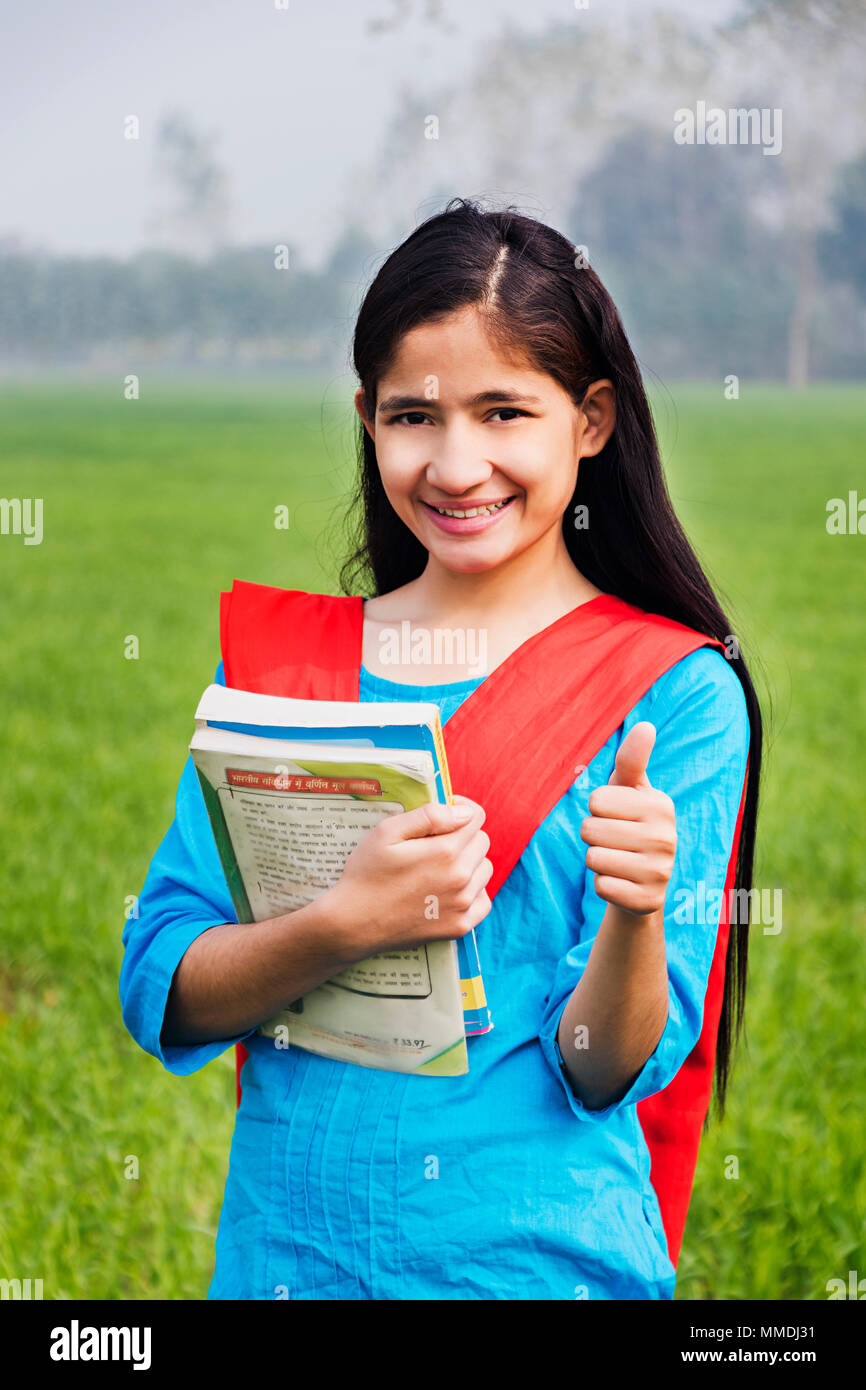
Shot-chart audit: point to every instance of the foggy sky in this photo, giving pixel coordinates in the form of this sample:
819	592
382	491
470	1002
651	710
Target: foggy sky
297	99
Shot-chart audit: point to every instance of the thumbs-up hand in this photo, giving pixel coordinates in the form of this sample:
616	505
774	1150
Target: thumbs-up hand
631	831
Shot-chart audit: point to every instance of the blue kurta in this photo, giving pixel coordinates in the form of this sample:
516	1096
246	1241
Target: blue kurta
349	1183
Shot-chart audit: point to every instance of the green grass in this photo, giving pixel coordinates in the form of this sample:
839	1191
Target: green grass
150	509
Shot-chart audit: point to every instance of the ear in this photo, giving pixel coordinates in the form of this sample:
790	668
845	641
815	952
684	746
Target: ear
598	412
361	407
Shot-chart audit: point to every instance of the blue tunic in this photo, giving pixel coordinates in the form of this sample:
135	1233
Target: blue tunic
350	1183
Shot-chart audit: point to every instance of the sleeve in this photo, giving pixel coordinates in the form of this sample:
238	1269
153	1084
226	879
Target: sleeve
184	894
699	759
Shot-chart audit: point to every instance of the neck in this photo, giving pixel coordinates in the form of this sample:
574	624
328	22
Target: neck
532	583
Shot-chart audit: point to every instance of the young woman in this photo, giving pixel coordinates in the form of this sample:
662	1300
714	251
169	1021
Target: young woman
611	746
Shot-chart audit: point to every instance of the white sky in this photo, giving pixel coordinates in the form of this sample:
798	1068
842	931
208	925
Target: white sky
298	99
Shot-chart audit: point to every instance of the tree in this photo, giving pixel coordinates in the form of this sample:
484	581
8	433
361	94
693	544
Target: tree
537	115
842	249
807	58
197	216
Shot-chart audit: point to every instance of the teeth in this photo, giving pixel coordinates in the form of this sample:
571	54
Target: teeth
473	511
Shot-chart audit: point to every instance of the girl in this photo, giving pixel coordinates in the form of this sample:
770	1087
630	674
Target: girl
494	373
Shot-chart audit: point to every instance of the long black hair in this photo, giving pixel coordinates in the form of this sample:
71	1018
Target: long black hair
543	300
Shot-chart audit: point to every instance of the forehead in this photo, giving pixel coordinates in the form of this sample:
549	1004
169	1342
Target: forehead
460	350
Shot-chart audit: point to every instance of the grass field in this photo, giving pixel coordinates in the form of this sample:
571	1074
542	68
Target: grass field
150	509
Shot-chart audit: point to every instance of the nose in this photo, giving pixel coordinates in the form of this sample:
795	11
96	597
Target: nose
455	465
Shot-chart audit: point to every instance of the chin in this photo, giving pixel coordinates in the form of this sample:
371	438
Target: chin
469	564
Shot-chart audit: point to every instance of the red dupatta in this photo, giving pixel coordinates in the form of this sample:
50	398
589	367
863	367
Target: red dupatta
551	705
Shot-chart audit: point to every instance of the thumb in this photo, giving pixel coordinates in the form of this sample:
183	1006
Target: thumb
633	756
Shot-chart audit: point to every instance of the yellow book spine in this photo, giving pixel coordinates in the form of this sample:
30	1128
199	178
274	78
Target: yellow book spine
473	993
439	743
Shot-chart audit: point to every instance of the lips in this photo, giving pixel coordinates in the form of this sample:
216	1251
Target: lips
469	524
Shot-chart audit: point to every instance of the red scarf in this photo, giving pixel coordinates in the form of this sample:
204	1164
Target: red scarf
548	708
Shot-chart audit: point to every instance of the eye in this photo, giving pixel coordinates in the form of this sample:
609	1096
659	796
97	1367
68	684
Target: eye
417	416
509	410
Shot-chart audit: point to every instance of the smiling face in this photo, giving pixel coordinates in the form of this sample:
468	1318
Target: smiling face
460	425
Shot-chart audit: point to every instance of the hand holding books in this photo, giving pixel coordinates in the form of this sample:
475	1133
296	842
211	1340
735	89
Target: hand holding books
415	877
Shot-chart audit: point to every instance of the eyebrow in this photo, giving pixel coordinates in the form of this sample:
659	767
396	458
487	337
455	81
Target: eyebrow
482	398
